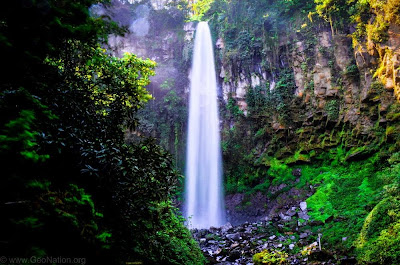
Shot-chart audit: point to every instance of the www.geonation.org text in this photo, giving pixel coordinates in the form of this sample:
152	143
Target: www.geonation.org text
41	260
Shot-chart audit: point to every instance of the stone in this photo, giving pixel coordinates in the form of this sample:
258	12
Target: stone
303	215
234	255
220	44
296	172
291	212
226	227
303	206
285	218
233	237
234	245
321	255
303	235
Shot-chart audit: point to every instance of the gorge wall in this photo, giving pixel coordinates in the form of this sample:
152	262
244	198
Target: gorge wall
297	91
309	108
291	87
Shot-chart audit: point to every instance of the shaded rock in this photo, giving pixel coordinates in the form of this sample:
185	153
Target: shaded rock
214	230
316	223
234	255
285	218
210	236
291	212
303	235
321	255
296	172
233	237
226	227
348	261
303	215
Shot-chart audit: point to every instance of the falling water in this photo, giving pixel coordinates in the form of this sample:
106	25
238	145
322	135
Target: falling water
204	199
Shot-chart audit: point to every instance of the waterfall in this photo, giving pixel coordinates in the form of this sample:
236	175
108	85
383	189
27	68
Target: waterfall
204	204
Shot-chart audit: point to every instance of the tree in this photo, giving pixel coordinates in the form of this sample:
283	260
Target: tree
71	184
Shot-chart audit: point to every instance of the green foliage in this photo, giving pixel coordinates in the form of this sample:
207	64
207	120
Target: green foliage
373	31
380	229
333	11
168	241
233	108
347	192
352	72
270	257
71	183
199	8
18	137
280	172
256	99
332	109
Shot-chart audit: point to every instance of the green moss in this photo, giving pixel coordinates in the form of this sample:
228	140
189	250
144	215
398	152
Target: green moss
279	172
381	231
270	257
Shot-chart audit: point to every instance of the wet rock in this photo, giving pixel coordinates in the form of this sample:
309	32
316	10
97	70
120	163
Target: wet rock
296	172
316	223
285	218
234	255
203	232
234	245
348	260
303	215
233	237
243	241
299	223
320	255
291	212
303	206
209	236
214	230
303	235
226	227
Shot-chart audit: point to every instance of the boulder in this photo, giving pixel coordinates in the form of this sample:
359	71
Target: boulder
303	206
226	227
233	237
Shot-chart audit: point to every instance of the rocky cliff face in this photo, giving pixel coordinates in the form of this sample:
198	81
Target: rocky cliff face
329	70
307	92
288	93
157	30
